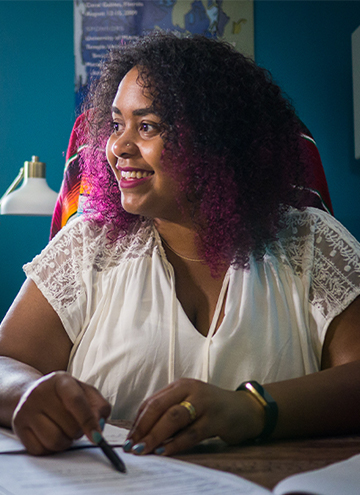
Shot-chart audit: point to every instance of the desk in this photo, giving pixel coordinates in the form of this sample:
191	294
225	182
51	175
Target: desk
269	463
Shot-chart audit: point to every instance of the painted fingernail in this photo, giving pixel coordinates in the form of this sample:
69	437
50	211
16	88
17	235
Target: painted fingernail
138	448
128	445
96	436
159	450
102	423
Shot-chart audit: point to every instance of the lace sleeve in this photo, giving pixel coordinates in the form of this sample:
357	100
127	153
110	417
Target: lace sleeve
67	270
60	272
323	252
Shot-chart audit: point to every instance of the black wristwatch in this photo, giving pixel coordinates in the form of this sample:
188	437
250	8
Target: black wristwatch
268	403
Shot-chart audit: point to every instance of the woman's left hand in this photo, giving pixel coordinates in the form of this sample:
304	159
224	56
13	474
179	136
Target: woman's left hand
164	426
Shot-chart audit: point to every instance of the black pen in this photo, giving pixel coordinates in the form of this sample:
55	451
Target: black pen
109	452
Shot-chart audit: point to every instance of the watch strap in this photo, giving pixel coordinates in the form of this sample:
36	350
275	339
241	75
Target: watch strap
268	403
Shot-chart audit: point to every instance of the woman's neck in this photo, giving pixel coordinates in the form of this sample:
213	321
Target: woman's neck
180	239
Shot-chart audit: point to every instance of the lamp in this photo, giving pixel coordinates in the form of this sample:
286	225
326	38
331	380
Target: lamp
34	197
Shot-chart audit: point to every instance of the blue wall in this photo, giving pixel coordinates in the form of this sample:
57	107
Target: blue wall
306	45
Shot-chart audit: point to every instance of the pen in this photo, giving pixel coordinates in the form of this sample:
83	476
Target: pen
109	452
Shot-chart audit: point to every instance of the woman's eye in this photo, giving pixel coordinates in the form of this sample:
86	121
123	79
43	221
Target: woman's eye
148	128
116	127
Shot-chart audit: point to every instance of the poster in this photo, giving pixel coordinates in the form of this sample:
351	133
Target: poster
100	25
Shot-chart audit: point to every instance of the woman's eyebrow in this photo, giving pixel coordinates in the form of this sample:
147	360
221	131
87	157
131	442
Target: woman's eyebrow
144	111
140	112
115	110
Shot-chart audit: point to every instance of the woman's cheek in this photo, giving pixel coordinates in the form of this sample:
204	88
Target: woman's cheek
111	158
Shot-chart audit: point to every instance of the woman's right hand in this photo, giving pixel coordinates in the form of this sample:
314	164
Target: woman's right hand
55	410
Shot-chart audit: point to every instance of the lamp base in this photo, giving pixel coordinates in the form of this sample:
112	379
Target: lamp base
34	197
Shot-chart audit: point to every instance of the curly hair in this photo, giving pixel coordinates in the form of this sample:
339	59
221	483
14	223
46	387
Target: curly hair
231	140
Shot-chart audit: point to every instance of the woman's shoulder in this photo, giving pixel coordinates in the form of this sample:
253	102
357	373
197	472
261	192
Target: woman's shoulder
312	240
320	251
313	225
95	245
319	248
306	216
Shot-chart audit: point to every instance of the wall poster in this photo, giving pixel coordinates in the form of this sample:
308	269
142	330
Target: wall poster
100	25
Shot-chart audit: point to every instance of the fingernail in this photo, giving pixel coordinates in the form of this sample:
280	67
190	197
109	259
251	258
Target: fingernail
138	448
159	450
128	445
102	423
96	436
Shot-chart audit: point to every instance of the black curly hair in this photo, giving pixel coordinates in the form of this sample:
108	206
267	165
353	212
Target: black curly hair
232	140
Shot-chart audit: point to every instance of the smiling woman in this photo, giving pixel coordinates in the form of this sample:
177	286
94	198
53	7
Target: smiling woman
134	152
197	266
206	124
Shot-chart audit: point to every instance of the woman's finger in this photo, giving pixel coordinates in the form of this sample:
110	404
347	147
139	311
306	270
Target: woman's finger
84	403
43	434
156	406
53	426
50	435
32	443
57	409
175	419
100	406
190	436
175	386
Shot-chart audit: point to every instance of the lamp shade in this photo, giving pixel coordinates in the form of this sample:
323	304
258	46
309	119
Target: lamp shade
34	197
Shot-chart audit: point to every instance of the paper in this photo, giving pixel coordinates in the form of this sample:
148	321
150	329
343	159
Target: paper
82	470
89	472
9	442
339	478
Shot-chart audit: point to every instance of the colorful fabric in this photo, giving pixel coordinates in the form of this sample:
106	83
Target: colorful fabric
66	206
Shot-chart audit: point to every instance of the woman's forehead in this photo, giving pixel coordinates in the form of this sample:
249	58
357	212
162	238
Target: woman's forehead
131	90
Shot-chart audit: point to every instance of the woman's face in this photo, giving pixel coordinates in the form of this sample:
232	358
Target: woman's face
134	150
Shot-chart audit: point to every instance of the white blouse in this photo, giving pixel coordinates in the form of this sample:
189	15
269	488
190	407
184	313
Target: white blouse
131	336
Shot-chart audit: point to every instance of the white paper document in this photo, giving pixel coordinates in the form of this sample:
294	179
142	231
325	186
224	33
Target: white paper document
115	436
88	472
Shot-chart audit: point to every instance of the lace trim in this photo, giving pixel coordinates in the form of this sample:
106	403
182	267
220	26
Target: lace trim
79	248
320	250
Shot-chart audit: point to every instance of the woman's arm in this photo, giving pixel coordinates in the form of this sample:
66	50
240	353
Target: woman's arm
326	402
45	405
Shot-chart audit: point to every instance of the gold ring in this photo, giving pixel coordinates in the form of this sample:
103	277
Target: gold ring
190	408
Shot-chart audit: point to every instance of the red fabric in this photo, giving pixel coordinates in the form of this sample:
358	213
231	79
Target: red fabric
319	195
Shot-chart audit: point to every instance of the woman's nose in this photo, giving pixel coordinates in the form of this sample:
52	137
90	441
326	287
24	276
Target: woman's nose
123	145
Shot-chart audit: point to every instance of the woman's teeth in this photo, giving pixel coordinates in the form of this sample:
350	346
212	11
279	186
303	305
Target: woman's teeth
126	174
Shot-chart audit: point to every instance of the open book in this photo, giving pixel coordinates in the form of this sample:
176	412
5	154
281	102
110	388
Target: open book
85	470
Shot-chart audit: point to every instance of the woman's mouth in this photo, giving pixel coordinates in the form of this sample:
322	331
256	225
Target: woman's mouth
135	174
132	178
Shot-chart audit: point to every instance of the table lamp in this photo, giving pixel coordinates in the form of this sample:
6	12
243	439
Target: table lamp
34	197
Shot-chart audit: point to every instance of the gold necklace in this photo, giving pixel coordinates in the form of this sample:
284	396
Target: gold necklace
178	254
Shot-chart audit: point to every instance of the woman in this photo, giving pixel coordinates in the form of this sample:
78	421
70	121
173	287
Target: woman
195	267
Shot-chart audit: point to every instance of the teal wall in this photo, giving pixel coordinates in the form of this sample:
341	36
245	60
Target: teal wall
306	45
36	117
